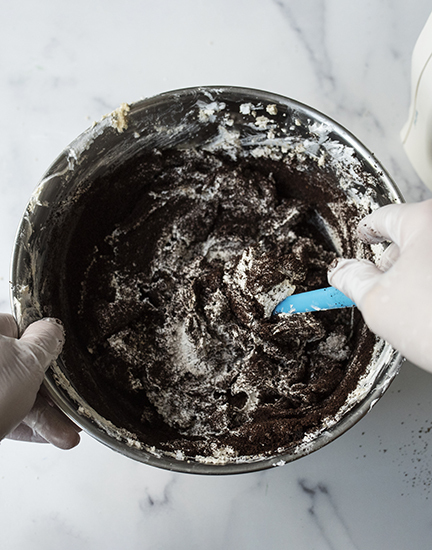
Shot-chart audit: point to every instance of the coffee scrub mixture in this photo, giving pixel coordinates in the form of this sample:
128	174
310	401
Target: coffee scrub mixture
174	265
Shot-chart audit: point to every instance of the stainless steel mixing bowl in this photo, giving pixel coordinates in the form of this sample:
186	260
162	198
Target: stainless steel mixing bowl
196	117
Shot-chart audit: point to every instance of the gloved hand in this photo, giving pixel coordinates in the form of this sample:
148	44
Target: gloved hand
395	297
24	413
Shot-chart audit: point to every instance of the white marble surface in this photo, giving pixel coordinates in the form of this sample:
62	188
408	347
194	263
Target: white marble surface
63	65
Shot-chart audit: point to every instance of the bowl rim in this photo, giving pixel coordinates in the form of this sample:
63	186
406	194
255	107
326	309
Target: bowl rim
63	401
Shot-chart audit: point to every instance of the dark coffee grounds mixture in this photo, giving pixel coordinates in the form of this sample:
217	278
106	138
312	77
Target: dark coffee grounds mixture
175	263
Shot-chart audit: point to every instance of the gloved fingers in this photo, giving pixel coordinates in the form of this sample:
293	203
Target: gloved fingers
398	223
382	225
389	257
26	360
24	433
52	425
8	325
44	339
355	278
22	367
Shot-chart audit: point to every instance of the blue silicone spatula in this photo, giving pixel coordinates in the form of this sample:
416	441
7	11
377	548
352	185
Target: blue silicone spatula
314	300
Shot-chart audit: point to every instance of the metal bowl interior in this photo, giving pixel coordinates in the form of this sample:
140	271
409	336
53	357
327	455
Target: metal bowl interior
195	117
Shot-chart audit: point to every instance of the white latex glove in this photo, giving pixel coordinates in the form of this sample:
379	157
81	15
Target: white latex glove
395	297
24	413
